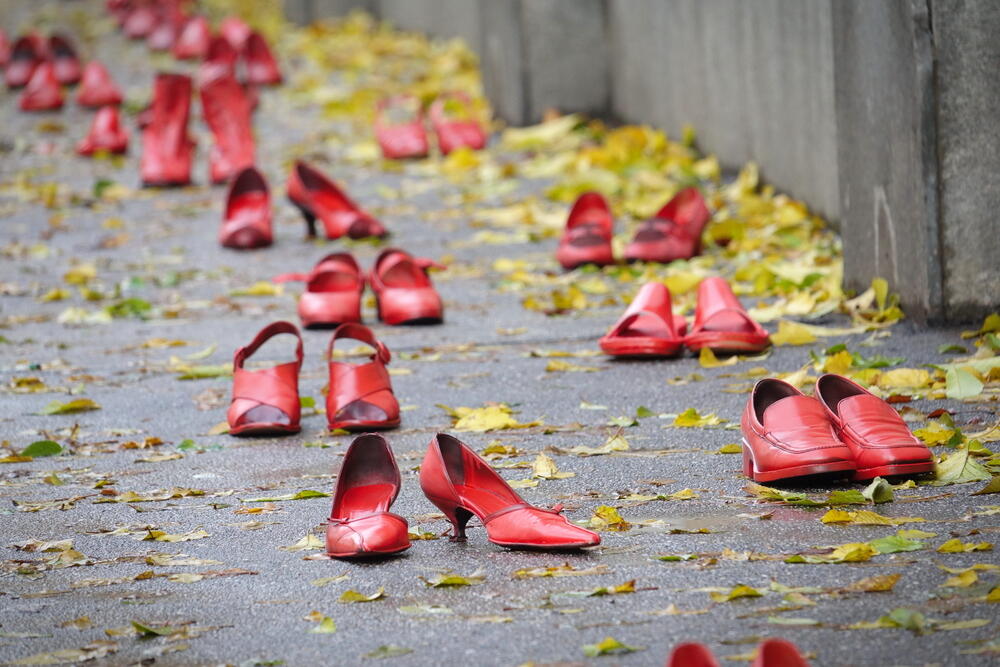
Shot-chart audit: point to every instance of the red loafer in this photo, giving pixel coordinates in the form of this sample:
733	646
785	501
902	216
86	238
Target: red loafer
691	655
97	88
720	322
451	116
648	328
787	434
192	41
674	232
587	238
333	291
316	196
881	442
227	113
64	60
261	67
461	484
266	401
360	396
247	221
43	92
404	293
778	653
106	134
399	128
360	523
167	149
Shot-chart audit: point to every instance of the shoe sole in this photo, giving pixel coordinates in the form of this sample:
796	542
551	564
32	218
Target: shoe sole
750	468
894	470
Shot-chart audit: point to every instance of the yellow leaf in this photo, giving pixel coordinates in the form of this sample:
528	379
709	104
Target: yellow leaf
557	365
904	378
260	288
607	518
792	333
691	418
956	546
486	418
545	467
738	591
964	579
838	363
707	359
80	274
354	596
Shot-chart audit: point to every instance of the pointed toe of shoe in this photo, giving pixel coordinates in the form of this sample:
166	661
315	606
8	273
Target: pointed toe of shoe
380	534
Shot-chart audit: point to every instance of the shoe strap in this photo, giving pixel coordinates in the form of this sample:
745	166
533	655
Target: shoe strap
359	332
263	336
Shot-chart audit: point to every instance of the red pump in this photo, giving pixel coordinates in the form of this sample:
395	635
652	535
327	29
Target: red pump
403	289
403	139
43	92
587	238
247	221
360	396
674	232
266	401
316	196
261	67
456	132
333	291
97	88
167	149
106	134
64	59
227	112
27	53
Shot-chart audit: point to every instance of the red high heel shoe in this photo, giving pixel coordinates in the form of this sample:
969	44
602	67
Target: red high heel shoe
316	196
247	221
266	401
106	134
64	59
333	291
227	112
261	67
648	328
587	239
403	139
97	88
691	655
43	92
166	147
721	323
461	485
27	53
360	522
455	132
778	653
360	396
674	232
235	30
141	21
192	41
404	293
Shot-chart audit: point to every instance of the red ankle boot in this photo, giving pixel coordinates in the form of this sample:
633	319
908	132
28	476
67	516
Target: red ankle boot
227	112
166	147
106	134
97	88
42	92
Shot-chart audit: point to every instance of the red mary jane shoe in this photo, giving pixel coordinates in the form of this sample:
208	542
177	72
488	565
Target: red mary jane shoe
674	232
261	67
455	132
360	523
192	40
333	291
166	147
881	443
721	323
227	113
266	401
648	328
360	396
26	54
403	290
401	138
691	655
787	434
106	134
587	239
43	92
247	221
64	60
778	653
316	196
461	485
97	88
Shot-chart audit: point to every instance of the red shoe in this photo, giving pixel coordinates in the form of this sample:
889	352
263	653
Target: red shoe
587	239
64	59
455	132
26	55
674	232
97	88
106	134
720	322
140	21
220	61
164	35
192	40
648	328
227	112
266	401
691	655
404	293
880	440
360	396
333	292
4	48
261	67
235	30
404	139
461	484
166	147
316	196
247	222
778	653
360	522
43	92
787	434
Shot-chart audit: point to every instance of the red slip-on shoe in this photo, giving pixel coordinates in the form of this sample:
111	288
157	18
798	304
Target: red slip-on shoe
451	116
461	485
167	149
333	292
227	113
720	322
587	238
266	400
399	128
691	655
404	293
360	523
97	88
26	55
778	653
881	442
43	92
64	59
787	434
192	40
4	48
106	134
316	196
674	232
648	328
141	21
260	66
235	30
360	396
247	221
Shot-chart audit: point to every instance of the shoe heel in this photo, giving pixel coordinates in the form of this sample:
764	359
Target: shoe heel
747	461
309	216
458	516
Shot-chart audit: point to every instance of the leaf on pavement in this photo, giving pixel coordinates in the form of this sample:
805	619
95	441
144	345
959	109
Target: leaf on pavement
738	591
451	580
70	407
609	646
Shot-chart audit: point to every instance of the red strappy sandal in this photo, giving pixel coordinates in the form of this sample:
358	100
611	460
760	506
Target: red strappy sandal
97	88
360	396
247	221
266	401
316	196
401	139
721	323
43	92
674	232
587	239
106	134
261	67
64	60
333	291
404	293
360	523
456	131
648	328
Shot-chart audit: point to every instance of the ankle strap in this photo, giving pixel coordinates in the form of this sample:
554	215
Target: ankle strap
359	332
265	334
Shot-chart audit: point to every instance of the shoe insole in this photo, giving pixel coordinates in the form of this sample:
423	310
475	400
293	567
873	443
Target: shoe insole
484	500
646	326
362	500
728	321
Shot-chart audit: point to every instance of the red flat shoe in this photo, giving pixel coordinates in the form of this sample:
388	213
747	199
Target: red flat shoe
787	434
674	232
97	88
587	239
192	41
451	116
404	293
778	653
266	401
261	67
247	221
360	396
227	113
403	138
166	147
26	55
235	30
64	59
648	328
106	134
141	21
881	443
43	92
333	292
461	485
360	523
316	196
691	655
720	322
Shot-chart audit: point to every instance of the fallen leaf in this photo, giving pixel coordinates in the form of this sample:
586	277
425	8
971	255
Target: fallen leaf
450	580
69	407
609	646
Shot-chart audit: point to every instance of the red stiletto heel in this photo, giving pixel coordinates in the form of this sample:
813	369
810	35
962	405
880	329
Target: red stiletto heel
266	401
318	197
247	221
674	232
360	395
333	291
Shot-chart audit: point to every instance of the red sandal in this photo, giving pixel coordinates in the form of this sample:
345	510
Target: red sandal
316	196
360	396
456	132
587	239
106	134
674	232
247	221
648	328
333	291
266	401
405	138
97	88
721	323
404	293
